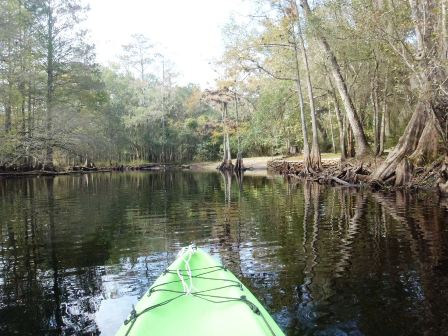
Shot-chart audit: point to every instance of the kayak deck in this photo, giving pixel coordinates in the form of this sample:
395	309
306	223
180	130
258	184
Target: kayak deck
198	296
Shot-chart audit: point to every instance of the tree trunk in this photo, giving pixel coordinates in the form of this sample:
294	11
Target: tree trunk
340	120
229	155
419	141
362	147
9	78
226	163
239	166
444	30
306	148
383	120
315	158
8	122
442	183
424	132
30	111
350	144
382	130
403	173
50	91
375	106
333	145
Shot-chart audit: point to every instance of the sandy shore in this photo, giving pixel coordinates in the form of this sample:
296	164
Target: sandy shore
254	163
257	164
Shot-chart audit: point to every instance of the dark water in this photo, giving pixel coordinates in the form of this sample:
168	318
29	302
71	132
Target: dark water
77	251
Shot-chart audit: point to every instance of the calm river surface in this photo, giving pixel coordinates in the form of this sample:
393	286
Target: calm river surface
77	251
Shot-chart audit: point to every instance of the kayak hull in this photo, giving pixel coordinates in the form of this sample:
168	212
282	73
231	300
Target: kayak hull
198	296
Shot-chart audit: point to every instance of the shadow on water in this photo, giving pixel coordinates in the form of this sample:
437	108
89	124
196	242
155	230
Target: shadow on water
77	251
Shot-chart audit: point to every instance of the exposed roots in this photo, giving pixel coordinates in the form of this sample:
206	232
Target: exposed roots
226	165
353	173
239	166
422	142
442	181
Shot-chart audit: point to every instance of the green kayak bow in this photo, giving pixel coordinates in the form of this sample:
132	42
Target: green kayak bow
198	296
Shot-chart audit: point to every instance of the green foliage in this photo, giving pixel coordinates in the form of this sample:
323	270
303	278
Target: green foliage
129	112
370	42
134	112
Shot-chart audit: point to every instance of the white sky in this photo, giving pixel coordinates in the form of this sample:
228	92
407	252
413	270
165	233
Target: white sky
189	32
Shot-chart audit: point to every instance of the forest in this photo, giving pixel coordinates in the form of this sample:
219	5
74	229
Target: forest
365	79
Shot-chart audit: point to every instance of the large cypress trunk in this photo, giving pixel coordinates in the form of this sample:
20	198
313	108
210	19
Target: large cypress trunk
420	142
424	138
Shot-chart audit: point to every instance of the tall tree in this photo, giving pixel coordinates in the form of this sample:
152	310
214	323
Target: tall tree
62	44
316	162
362	147
425	55
138	55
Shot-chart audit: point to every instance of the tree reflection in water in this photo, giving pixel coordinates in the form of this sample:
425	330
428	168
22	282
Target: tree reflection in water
75	250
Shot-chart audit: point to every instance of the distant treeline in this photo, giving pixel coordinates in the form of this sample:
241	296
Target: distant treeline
58	107
353	77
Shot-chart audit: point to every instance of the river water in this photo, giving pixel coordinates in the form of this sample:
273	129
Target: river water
77	251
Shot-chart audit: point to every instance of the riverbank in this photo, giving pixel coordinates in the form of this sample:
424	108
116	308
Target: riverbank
252	164
356	173
350	173
87	170
259	163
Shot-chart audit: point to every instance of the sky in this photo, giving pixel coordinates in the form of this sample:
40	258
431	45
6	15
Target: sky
188	32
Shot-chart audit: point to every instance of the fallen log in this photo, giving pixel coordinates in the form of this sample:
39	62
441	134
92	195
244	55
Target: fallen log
342	182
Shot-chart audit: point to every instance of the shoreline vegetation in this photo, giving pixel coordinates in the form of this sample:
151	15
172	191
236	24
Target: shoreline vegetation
294	78
334	171
356	173
348	173
93	169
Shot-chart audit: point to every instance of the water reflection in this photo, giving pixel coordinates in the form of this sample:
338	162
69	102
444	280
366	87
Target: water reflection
77	251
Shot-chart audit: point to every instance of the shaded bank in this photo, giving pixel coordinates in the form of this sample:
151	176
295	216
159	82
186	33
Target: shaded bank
357	173
13	173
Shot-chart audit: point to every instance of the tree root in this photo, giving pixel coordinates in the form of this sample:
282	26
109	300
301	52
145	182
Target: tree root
353	173
226	165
